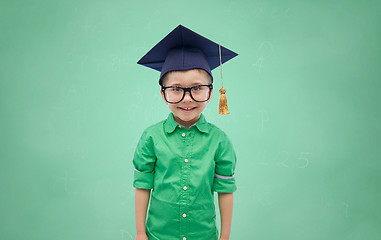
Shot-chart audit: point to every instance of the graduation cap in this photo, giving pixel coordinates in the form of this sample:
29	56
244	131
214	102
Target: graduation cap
182	49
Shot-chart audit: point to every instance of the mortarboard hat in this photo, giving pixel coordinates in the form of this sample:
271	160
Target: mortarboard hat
182	49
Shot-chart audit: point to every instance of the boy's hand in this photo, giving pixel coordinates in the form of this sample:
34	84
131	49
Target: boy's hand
141	236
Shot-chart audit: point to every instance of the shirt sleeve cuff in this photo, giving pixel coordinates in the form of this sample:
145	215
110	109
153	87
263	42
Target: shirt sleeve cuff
143	180
224	185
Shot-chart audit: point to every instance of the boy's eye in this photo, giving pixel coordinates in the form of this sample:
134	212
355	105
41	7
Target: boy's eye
196	88
176	89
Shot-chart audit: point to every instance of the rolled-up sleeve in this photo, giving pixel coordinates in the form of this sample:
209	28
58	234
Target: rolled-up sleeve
144	163
224	178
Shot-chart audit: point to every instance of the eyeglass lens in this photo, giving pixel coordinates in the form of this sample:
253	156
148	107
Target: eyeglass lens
198	93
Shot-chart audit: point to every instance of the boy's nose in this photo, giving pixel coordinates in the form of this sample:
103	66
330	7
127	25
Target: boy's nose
187	97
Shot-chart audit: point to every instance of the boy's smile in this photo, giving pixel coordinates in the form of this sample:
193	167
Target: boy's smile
187	112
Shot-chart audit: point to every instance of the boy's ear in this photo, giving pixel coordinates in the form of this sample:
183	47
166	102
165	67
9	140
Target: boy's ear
162	95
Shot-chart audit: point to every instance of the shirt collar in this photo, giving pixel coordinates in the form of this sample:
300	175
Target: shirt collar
170	124
202	124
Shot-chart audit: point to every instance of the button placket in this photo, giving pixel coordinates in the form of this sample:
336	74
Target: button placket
185	183
184	219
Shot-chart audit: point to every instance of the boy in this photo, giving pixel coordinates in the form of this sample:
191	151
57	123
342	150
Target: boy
184	159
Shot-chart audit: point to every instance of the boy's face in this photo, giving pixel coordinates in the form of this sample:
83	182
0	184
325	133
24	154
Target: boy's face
187	112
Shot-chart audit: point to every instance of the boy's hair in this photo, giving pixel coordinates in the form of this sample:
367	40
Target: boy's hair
161	82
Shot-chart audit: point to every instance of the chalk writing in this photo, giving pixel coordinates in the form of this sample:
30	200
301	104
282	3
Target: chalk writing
115	63
303	160
265	50
284	156
68	182
126	235
264	118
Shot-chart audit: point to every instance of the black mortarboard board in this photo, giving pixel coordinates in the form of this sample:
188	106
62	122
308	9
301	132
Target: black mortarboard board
183	49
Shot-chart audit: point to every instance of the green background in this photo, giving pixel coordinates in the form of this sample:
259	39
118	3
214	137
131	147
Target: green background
303	95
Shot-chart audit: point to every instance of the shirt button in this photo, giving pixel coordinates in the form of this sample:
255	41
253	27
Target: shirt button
185	188
183	134
184	215
186	160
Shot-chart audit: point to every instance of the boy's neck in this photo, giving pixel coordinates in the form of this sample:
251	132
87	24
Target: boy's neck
187	126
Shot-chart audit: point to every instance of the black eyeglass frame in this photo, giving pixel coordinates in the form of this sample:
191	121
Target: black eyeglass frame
187	90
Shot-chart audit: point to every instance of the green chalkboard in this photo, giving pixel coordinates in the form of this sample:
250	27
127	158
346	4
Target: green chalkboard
304	96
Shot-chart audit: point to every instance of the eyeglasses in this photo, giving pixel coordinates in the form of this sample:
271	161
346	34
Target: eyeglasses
199	93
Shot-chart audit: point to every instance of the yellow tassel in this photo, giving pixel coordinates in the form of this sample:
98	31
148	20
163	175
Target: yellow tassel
223	102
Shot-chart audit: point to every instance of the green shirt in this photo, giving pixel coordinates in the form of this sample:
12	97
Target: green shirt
183	168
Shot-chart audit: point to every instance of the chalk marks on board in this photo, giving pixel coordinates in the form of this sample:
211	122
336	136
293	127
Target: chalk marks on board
285	159
115	63
303	160
68	183
126	235
89	63
300	162
330	206
264	119
264	50
259	63
280	12
84	59
154	112
258	10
